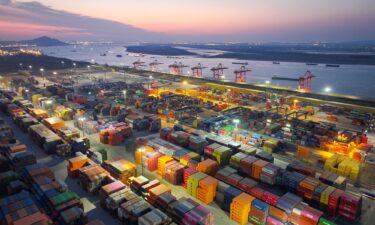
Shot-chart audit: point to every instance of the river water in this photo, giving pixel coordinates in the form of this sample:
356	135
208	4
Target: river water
357	80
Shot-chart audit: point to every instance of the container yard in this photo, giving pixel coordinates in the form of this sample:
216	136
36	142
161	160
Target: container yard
155	151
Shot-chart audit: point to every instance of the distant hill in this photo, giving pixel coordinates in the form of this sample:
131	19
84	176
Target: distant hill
154	49
43	41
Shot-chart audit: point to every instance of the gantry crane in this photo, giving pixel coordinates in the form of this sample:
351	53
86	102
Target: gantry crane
218	71
197	70
240	74
154	65
305	81
177	68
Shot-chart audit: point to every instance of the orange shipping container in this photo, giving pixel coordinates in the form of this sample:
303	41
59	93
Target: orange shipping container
278	213
141	151
257	168
77	162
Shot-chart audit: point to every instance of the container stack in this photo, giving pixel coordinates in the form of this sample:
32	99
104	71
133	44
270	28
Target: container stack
174	173
265	156
224	173
269	174
188	171
115	199
350	205
270	198
136	183
109	189
208	166
197	144
188	212
141	151
155	192
19	157
154	217
270	145
206	190
19	209
233	179
229	194
304	214
162	161
150	160
257	168
92	177
74	164
240	208
307	187
276	216
121	169
259	212
288	201
193	183
130	211
74	215
189	157
235	160
291	180
209	150
246	184
246	165
333	201
301	168
333	179
222	155
324	197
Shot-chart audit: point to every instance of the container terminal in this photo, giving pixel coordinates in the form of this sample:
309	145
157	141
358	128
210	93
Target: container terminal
106	145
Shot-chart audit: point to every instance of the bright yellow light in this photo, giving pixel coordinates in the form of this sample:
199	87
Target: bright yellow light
184	82
295	101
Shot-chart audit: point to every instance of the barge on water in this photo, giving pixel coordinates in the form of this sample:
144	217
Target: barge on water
284	78
332	65
312	64
240	63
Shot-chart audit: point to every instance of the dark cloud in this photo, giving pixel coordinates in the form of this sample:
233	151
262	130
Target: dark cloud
90	28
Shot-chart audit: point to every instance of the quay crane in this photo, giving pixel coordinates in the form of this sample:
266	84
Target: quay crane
154	65
240	74
177	68
305	81
197	70
218	71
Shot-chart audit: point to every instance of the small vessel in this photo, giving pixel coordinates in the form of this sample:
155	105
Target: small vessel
332	65
240	63
312	64
284	78
276	62
73	50
103	54
119	56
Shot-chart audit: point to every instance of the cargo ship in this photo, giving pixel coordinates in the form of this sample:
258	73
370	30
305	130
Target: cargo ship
312	64
284	78
332	65
276	62
240	63
118	56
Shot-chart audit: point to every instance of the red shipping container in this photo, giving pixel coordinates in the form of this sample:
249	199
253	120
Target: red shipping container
246	165
270	198
257	192
246	184
333	201
187	173
234	179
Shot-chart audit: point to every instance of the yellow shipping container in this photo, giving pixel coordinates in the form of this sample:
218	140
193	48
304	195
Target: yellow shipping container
325	195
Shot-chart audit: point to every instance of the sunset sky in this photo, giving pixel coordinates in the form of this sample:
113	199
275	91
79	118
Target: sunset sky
226	20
